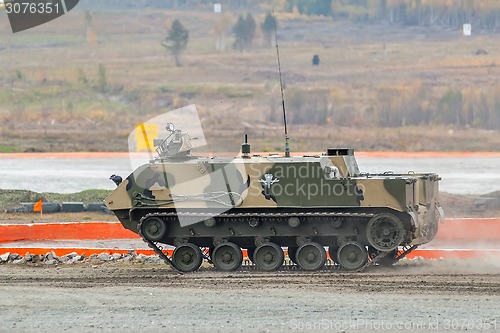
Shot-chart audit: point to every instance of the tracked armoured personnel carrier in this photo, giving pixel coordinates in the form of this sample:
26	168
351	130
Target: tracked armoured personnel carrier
211	208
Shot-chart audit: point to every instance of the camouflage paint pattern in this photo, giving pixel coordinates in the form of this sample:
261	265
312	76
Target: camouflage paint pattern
292	182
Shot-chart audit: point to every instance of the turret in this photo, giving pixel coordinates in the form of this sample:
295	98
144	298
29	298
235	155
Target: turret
176	145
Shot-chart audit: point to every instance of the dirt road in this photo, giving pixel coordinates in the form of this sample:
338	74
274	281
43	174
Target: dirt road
418	296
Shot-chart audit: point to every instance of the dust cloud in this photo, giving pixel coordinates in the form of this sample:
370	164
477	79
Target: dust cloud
489	264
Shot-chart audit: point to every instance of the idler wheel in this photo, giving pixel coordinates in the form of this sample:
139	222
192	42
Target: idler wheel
153	229
227	256
268	257
187	257
311	256
385	232
292	254
352	256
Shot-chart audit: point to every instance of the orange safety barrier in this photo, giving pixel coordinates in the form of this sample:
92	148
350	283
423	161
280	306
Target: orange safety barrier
66	250
426	154
469	229
452	229
453	253
75	155
62	231
375	154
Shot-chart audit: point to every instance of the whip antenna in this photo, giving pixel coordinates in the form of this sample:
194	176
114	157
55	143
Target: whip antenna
287	148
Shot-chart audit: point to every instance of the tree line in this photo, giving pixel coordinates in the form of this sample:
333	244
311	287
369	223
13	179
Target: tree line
396	106
483	14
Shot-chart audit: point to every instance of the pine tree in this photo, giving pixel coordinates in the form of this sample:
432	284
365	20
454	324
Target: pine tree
176	41
250	25
268	29
244	31
239	33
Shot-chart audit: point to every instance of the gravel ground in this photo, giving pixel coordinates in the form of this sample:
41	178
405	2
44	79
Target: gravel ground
417	295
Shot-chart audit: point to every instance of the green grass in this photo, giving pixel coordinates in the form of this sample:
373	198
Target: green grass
8	149
53	98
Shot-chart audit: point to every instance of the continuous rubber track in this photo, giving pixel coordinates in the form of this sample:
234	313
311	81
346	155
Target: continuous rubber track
157	246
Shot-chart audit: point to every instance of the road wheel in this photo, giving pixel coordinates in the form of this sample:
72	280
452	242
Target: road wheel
227	256
268	257
187	257
311	256
352	256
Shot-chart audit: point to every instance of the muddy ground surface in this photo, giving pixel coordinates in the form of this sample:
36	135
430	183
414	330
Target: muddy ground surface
417	295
